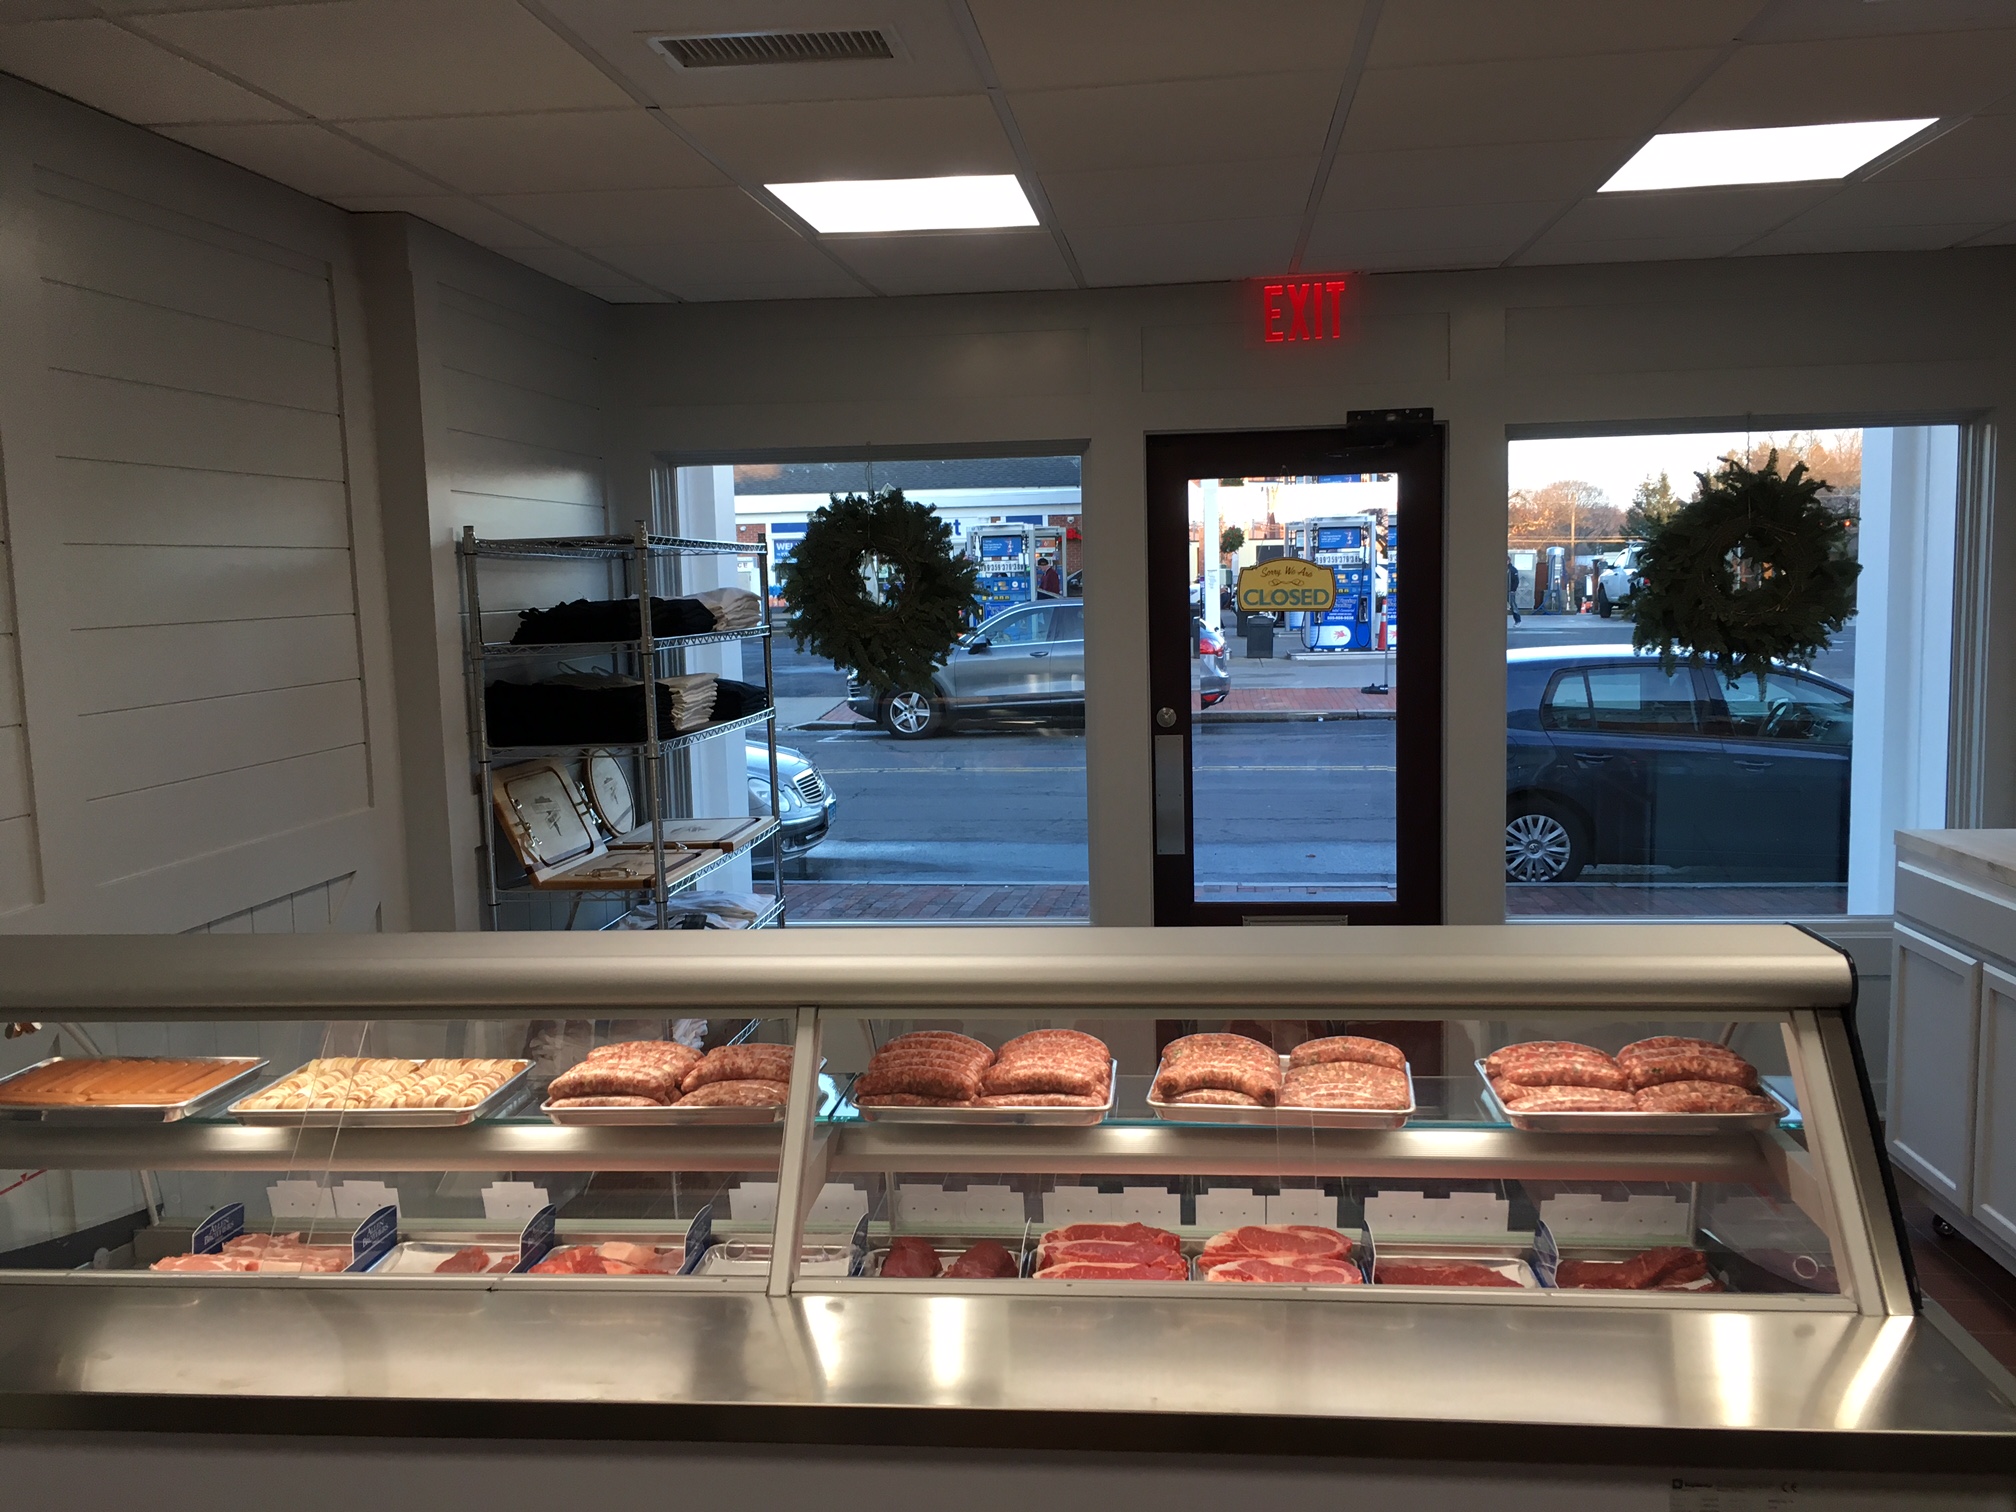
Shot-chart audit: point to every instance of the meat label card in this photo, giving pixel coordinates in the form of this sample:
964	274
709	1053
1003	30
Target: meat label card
374	1239
1546	1253
228	1222
537	1239
699	1239
1712	1496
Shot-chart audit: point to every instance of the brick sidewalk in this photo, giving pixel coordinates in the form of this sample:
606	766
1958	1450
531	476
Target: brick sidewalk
945	902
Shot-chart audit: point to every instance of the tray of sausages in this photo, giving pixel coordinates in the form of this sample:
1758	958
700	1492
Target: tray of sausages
1668	1084
662	1082
124	1089
379	1092
1048	1076
1345	1081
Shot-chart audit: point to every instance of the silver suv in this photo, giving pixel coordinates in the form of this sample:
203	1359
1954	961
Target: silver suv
1026	661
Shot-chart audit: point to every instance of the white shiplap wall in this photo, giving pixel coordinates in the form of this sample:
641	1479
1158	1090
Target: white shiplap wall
202	713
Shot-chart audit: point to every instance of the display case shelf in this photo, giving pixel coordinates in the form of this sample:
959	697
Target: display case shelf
608	548
494	649
503	1145
626	748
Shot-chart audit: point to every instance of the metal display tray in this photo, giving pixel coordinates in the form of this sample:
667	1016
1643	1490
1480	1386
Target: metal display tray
494	1106
1056	1118
946	1253
419	1257
736	1257
672	1113
1292	1118
1631	1123
1507	1260
133	1113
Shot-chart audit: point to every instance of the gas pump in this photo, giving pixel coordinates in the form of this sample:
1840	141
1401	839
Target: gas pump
1347	545
1007	558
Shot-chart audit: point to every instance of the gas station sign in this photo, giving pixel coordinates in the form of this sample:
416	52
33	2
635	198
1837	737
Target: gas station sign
1286	584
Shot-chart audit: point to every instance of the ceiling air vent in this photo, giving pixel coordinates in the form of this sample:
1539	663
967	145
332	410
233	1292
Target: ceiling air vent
748	49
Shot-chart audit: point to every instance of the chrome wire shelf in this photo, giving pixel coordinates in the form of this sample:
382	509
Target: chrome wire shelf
673	885
605	648
577	548
634	747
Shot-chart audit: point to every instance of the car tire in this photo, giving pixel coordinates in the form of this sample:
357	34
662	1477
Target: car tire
913	716
1603	605
1543	843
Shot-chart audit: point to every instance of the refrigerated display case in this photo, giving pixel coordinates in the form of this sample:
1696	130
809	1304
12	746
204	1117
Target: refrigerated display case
993	1194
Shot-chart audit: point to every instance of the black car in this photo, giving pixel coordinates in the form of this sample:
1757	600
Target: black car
1610	760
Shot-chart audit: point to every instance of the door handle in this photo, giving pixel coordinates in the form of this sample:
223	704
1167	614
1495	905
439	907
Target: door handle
1756	766
1591	758
1039	653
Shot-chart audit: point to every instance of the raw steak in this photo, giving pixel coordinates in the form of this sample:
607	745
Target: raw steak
985	1260
1106	1251
910	1257
1170	1269
1132	1232
1347	1047
1565	1100
1439	1273
738	1094
1344	1084
741	1063
1671	1058
1301	1272
469	1259
574	1260
1702	1097
1555	1063
1654	1269
1219	1097
1275	1241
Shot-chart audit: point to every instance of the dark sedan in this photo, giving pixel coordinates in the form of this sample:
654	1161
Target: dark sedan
1610	760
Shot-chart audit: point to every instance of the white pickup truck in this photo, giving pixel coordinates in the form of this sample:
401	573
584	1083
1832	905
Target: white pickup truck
1618	582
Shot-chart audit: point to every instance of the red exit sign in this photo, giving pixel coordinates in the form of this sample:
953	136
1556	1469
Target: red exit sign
1302	309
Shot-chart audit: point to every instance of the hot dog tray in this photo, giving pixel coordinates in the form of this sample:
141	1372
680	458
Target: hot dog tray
134	1113
494	1106
1291	1118
1631	1123
1056	1118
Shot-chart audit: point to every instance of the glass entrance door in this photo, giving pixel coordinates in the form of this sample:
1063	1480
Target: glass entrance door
1296	691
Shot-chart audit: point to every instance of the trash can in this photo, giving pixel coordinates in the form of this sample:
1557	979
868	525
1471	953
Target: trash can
1259	637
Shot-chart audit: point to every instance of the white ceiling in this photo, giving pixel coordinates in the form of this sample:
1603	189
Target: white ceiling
1161	140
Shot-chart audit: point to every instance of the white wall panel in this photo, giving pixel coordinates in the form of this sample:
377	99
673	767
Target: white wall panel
205	684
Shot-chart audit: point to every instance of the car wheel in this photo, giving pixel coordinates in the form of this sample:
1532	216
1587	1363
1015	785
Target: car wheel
1542	845
913	716
1602	602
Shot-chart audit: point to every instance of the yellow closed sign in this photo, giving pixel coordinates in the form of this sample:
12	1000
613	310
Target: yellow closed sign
1286	583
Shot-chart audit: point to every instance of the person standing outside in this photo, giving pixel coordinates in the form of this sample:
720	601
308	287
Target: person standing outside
1048	583
1512	589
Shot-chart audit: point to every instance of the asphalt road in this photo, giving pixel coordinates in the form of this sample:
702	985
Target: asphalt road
1309	803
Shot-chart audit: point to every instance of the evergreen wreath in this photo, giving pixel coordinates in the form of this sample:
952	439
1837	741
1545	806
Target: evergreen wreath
893	640
1792	549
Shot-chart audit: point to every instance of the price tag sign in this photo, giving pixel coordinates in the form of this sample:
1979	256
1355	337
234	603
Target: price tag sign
228	1222
537	1239
700	1239
374	1239
1546	1253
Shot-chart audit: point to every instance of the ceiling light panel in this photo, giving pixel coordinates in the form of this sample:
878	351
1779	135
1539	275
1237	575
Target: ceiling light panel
1770	155
972	202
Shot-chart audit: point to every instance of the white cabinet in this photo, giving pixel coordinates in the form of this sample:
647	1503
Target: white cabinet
1934	1028
1994	1198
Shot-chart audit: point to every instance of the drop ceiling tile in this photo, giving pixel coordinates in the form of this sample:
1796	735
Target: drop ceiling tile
1053	44
1484	174
1681	214
835	285
1205	121
1185	252
465	217
2001	236
1425	259
931	54
545	154
580	270
1979	148
1879	202
304	156
829	139
619	217
1852	79
1807	20
675	264
1540	100
1176	192
957	263
1553	250
1927	238
1469	31
49	10
1350	237
356	58
126	76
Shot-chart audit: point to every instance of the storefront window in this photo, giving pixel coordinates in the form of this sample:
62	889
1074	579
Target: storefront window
962	802
1637	789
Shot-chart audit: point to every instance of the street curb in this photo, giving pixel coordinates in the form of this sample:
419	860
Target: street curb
1285	716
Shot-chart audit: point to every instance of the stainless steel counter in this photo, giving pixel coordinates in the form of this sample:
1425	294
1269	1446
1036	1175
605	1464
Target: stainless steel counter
1237	1375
